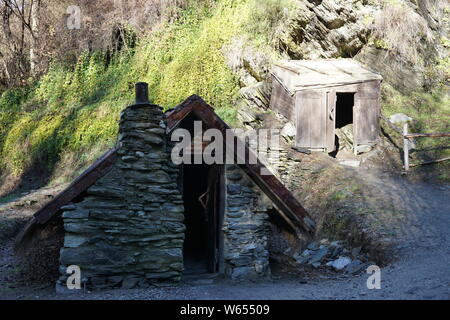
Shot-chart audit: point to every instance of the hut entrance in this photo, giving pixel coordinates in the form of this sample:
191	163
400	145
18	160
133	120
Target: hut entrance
344	109
343	105
202	186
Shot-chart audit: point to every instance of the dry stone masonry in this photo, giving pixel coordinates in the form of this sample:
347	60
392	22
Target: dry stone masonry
245	227
127	230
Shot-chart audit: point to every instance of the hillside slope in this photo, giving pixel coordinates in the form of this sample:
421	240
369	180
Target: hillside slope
222	51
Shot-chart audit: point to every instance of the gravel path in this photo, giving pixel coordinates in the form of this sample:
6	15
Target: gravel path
421	272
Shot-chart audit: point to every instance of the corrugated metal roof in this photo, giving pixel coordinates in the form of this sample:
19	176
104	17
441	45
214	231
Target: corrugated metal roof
298	75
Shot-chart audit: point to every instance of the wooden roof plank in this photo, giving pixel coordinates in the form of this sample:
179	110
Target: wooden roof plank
314	74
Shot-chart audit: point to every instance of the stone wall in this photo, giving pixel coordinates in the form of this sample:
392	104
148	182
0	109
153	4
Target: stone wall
283	163
245	227
128	230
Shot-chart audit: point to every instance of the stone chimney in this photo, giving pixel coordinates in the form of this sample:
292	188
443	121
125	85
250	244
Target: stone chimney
128	230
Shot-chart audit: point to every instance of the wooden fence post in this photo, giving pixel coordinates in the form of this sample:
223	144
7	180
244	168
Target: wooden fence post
406	143
406	146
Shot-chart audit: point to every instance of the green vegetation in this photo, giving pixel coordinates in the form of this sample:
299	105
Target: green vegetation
61	123
70	116
266	18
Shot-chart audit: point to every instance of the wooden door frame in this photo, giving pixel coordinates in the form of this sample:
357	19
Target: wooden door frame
214	225
367	102
219	205
221	215
354	91
356	110
331	97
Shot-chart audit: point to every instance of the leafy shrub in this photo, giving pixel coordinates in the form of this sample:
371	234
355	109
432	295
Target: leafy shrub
71	115
429	111
267	17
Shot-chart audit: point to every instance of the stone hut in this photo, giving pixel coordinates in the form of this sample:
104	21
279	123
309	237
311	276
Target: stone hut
135	217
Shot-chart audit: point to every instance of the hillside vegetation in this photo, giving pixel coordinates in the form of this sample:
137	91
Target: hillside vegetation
70	116
53	127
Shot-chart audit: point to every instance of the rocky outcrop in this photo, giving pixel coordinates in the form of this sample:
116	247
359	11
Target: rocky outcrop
326	29
257	95
347	29
321	29
314	29
403	76
248	63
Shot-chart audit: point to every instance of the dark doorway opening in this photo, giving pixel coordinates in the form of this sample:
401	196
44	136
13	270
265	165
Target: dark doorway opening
344	109
202	205
195	184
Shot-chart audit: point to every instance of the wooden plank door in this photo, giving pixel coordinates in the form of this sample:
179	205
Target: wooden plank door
331	121
311	108
366	113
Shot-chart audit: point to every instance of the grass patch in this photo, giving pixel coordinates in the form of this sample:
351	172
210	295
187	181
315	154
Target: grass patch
430	112
61	123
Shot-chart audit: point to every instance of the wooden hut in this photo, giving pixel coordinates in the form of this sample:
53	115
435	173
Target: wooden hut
319	96
135	217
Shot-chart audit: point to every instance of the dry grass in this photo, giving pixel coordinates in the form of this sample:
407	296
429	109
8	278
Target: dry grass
353	206
399	29
40	263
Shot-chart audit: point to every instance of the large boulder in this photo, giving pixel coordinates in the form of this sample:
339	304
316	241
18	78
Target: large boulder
249	64
345	138
257	95
326	29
